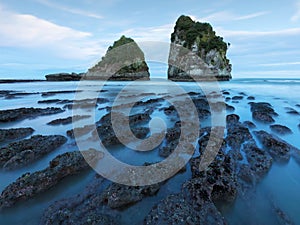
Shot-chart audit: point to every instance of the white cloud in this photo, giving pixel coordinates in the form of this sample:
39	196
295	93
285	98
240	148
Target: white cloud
27	31
296	16
159	33
251	34
251	16
70	10
280	64
229	16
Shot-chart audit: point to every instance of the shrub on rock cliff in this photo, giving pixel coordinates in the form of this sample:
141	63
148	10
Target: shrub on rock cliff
201	39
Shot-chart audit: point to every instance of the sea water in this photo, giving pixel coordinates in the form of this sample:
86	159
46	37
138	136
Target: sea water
280	186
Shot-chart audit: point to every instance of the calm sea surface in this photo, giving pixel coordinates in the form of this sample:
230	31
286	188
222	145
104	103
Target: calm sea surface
281	186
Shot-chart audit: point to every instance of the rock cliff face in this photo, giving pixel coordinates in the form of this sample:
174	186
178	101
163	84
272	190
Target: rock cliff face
197	51
122	61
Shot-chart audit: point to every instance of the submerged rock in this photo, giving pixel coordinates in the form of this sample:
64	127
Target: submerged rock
277	148
280	129
84	208
25	113
238	97
263	112
107	134
31	184
14	133
259	160
219	177
118	196
176	209
68	120
292	111
122	61
19	154
249	124
80	131
197	52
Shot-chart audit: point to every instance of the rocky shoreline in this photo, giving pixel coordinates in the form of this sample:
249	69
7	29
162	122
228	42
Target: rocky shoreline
245	157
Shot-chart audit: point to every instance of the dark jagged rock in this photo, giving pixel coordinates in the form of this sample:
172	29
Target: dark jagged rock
167	150
86	103
14	133
31	184
229	108
172	140
219	177
197	51
176	209
249	124
84	208
251	98
238	97
53	93
227	99
19	154
107	134
226	93
292	111
25	113
57	101
119	196
232	119
67	120
281	217
80	131
259	160
280	129
262	112
247	174
122	61
64	76
277	148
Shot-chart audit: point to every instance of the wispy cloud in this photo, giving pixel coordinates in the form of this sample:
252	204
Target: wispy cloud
296	16
280	64
28	31
251	34
251	16
158	33
80	12
229	16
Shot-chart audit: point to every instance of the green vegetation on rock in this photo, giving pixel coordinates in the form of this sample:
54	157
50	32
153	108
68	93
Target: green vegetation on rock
124	58
201	40
201	34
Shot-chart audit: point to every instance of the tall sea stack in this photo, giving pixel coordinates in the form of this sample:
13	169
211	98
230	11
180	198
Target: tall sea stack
197	53
122	61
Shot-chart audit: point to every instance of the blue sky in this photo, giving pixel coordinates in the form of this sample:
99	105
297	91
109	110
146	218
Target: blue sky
44	36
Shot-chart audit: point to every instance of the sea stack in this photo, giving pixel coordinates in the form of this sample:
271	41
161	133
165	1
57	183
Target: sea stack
197	53
124	61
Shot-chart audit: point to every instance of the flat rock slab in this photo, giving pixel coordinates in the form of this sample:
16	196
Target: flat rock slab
68	120
14	133
280	129
263	112
21	153
278	148
31	184
25	113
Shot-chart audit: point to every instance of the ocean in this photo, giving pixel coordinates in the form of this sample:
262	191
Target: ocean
280	186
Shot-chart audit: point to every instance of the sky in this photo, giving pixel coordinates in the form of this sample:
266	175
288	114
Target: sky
38	37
